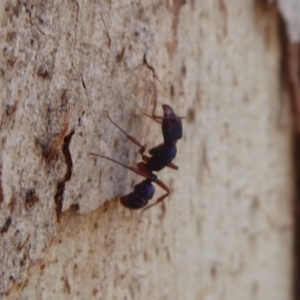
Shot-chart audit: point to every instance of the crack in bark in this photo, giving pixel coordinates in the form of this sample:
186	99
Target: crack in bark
106	31
22	245
145	62
58	198
51	151
77	17
120	56
84	85
6	226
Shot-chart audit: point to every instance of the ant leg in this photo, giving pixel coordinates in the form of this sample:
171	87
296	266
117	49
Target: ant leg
160	199
172	166
155	100
131	138
154	119
138	171
157	118
153	116
142	167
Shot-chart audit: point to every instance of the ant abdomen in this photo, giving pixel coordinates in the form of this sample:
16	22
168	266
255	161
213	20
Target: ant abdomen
142	193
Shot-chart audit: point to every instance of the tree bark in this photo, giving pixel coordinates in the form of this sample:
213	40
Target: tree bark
225	232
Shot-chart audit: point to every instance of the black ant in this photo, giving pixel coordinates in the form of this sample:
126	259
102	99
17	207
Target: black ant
161	157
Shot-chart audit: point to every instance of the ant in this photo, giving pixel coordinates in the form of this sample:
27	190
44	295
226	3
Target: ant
161	157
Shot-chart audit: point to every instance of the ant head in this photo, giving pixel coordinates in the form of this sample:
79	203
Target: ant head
168	111
171	125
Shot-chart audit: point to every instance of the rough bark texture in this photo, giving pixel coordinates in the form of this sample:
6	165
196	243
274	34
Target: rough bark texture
224	232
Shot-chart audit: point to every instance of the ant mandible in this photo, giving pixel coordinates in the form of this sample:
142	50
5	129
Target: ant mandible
161	157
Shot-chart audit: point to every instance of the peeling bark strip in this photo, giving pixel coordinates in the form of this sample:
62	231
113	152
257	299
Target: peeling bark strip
58	198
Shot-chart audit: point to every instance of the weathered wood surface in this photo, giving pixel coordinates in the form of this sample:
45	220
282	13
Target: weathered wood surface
225	232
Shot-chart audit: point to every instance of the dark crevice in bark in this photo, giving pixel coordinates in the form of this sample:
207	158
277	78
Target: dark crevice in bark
290	79
6	226
145	62
296	285
1	188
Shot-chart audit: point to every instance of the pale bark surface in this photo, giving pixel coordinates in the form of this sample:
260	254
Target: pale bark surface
290	11
225	231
